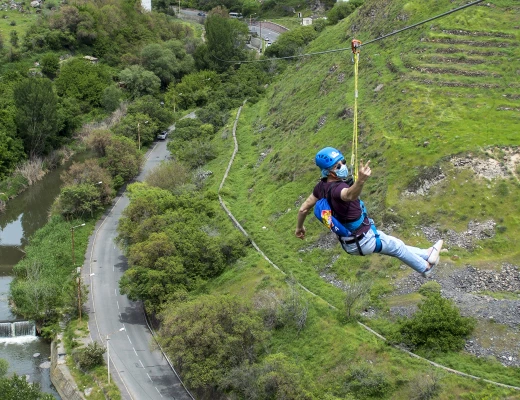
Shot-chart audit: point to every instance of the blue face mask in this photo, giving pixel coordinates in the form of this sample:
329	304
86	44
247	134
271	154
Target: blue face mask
342	173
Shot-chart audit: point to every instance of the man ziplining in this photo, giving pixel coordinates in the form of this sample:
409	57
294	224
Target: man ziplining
349	210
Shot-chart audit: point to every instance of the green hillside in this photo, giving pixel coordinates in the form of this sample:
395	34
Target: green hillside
439	118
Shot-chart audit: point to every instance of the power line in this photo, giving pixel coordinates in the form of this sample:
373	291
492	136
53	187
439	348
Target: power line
363	44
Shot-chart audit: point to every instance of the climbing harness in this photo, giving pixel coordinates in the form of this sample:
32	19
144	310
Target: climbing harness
356	44
325	213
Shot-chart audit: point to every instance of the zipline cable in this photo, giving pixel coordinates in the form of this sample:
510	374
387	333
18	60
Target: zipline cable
347	48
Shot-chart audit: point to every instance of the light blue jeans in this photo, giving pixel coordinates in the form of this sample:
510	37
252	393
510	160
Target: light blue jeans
391	246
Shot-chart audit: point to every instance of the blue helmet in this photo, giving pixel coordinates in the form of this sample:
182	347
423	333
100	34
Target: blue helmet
328	157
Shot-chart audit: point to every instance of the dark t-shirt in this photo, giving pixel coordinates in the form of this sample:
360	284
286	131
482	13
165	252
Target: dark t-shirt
345	211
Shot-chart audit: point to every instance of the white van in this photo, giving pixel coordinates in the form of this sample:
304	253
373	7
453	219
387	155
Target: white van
235	15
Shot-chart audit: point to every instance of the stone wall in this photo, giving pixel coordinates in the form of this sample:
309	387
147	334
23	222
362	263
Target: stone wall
60	374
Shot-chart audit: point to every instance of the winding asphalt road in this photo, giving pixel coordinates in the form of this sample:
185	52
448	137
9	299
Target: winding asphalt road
140	372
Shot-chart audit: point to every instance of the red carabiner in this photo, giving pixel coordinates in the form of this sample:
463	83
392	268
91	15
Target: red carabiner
356	44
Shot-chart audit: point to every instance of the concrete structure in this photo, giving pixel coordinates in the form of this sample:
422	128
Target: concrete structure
60	374
306	21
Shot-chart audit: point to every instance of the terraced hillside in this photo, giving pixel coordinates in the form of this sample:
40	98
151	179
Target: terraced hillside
439	117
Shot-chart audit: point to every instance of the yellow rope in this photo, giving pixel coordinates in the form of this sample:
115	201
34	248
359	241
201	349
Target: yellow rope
354	157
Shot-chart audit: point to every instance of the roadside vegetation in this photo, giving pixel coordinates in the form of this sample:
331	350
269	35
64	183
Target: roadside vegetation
233	325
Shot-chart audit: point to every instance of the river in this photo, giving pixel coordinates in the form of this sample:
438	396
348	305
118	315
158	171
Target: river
27	355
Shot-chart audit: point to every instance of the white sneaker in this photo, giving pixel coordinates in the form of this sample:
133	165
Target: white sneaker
429	271
434	256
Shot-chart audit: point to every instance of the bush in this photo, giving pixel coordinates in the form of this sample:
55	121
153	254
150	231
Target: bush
342	10
437	326
429	288
363	382
90	357
169	175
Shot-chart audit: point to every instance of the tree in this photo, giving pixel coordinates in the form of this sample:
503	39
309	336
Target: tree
77	200
139	82
50	63
292	42
11	152
111	98
90	172
36	115
355	293
342	10
138	127
194	90
209	336
168	61
17	387
83	81
437	325
122	159
225	37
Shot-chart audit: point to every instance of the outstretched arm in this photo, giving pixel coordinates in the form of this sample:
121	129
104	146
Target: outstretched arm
353	192
302	214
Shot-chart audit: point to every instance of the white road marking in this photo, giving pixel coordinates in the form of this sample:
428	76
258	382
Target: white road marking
149	377
129	339
142	364
135	352
158	391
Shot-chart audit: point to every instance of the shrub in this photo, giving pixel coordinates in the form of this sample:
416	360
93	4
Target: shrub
90	357
437	326
364	382
169	175
429	288
342	10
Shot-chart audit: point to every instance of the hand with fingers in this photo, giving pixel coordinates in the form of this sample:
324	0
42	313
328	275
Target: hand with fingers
364	171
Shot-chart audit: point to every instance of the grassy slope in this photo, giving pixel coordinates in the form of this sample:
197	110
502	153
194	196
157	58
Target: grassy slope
304	110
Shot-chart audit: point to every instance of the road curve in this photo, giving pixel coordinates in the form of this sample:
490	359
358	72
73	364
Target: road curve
140	372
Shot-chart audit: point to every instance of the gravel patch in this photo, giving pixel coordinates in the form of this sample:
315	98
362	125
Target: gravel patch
465	240
465	287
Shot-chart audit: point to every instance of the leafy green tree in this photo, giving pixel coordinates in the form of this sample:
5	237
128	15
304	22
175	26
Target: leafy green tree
209	336
36	115
17	387
11	152
141	128
342	9
78	200
50	64
92	173
122	159
35	295
194	90
152	107
168	61
69	116
437	326
139	82
225	37
84	81
111	98
13	35
292	42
